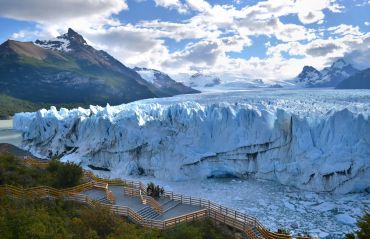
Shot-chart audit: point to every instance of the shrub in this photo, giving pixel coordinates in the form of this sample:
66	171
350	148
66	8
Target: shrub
14	172
65	174
364	228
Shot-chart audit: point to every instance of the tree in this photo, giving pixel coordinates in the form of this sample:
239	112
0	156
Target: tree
65	174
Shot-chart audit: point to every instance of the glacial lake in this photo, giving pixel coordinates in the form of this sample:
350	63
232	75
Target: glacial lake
8	134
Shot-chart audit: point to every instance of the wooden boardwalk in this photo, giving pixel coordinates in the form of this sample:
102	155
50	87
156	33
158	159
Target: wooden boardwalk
129	199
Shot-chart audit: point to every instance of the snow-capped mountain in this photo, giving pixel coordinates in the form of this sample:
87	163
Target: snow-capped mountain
243	84
163	81
66	70
66	42
328	77
205	82
199	80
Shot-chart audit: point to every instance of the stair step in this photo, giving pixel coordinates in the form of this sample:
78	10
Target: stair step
171	207
104	200
147	212
166	202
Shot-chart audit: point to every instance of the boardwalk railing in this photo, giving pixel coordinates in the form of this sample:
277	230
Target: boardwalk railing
235	219
230	217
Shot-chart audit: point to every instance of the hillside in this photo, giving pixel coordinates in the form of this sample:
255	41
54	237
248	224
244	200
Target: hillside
360	80
66	70
34	217
10	105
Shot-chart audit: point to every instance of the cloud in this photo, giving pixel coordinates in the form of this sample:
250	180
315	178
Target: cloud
322	49
172	4
131	45
344	29
199	5
274	27
310	17
311	11
210	31
42	11
359	55
202	53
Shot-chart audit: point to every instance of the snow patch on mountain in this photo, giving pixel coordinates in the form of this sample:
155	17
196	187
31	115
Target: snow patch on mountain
64	43
57	44
297	138
163	81
328	77
214	83
200	81
146	74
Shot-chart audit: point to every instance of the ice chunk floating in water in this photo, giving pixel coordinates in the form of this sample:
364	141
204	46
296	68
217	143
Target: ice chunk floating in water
314	140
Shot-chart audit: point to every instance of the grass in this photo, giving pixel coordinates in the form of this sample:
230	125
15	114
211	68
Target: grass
10	105
68	64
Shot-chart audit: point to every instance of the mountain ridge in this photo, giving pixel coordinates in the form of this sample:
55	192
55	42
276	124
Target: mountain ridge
68	70
360	80
328	77
164	81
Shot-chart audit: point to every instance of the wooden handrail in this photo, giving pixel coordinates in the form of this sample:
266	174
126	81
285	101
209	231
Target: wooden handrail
201	211
215	211
229	216
153	203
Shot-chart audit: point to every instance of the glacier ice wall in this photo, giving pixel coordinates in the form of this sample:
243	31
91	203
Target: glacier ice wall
318	145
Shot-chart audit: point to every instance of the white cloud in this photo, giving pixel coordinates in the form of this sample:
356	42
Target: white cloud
214	30
344	29
311	11
175	4
359	54
131	45
367	23
202	54
42	11
199	5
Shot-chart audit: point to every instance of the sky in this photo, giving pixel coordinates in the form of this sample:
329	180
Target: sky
233	39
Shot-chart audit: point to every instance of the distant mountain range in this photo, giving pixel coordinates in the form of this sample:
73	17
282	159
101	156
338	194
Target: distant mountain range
164	82
328	77
360	80
67	70
210	82
200	80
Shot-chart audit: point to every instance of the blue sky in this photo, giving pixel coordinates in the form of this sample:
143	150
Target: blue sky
236	39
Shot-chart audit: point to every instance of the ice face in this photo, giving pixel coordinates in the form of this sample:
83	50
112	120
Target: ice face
313	140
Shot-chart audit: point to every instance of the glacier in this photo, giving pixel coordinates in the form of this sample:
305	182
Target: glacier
316	140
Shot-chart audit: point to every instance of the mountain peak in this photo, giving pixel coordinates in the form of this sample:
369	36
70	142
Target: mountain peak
73	36
309	68
339	64
72	32
66	42
327	77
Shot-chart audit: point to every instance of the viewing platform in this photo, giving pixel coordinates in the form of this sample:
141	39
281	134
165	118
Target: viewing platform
130	199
